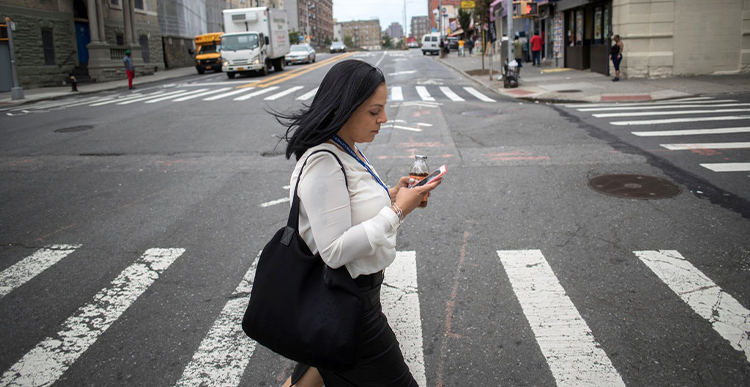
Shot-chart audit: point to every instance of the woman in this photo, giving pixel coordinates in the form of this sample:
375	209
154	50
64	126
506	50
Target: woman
352	222
616	56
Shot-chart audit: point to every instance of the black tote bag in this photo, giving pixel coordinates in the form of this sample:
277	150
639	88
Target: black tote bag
301	308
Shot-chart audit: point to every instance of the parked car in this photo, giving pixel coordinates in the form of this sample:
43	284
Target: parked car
300	53
338	47
431	44
412	44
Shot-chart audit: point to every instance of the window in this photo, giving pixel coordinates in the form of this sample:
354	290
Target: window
120	39
115	4
48	43
143	42
138	4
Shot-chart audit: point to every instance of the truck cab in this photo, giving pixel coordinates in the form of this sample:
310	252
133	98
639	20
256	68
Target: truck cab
256	40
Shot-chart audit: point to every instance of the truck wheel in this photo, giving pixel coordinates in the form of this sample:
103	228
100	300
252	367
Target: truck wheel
278	65
230	75
201	70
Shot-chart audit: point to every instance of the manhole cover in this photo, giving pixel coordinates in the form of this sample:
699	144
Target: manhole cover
568	91
74	129
634	186
481	113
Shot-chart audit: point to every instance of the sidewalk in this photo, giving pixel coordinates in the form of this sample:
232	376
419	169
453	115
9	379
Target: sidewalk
47	93
558	85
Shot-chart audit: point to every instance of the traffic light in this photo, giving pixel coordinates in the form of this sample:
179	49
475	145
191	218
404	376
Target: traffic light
523	9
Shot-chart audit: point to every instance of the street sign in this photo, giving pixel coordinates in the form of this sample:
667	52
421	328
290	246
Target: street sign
468	4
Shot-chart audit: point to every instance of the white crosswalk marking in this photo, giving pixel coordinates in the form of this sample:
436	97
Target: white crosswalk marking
229	94
189	97
283	93
574	357
148	97
159	99
726	315
715	145
256	93
691	132
655	107
128	98
226	350
397	94
424	94
479	95
680	120
46	362
642	114
401	307
450	94
308	95
727	167
29	267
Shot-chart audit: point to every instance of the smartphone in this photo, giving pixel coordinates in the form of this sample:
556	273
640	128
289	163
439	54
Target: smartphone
436	174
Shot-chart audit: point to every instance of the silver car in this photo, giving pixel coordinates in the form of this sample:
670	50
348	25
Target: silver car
300	53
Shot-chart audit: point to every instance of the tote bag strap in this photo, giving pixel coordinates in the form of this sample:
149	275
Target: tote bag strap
293	223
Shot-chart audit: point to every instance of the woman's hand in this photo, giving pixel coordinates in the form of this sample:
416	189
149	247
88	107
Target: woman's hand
408	199
403	182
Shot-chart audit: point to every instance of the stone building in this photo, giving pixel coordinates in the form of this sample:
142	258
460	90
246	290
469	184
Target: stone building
87	38
365	34
313	18
395	31
420	26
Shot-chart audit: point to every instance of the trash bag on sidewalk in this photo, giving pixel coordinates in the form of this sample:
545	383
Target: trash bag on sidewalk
510	78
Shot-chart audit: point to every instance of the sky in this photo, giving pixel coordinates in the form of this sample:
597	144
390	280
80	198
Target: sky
388	11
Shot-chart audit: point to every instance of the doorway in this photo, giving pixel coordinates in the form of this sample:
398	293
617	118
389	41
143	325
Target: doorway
83	33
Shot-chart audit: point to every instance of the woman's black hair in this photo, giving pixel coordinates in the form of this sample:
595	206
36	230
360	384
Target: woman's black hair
345	87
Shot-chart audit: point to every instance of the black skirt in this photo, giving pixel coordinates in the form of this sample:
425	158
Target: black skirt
381	363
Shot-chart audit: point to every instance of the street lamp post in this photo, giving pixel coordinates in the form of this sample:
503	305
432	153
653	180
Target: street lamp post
16	92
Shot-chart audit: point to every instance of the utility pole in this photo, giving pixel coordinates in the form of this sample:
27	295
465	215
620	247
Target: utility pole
16	92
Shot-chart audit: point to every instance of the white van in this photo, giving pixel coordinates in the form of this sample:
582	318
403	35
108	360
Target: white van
431	44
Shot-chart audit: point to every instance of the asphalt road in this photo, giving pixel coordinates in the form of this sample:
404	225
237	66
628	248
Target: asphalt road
131	222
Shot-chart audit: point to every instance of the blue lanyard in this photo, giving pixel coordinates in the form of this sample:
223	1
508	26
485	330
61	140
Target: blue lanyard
338	140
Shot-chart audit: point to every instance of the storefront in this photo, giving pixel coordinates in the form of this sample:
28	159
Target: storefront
587	29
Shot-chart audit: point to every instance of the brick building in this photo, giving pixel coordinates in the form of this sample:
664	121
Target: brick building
420	26
364	33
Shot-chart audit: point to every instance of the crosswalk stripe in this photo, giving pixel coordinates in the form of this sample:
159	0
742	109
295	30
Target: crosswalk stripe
424	94
256	93
397	94
189	97
479	95
128	98
155	100
641	114
450	94
171	94
697	100
401	308
29	267
226	350
715	145
659	107
566	341
46	362
283	93
229	94
680	120
691	132
727	316
727	167
308	95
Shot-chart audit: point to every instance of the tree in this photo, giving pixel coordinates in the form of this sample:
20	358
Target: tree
387	42
328	40
482	17
348	41
464	19
293	37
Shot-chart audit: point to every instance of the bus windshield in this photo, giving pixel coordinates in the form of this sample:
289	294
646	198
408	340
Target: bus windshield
209	49
239	42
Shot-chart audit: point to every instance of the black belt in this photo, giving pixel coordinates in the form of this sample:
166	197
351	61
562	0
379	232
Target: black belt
370	280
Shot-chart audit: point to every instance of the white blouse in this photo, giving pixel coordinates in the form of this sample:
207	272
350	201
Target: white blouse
354	228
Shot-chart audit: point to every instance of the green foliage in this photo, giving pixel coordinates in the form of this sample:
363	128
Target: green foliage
293	37
387	41
464	19
482	11
348	41
328	41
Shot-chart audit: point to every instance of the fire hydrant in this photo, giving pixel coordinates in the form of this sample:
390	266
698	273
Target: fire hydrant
73	83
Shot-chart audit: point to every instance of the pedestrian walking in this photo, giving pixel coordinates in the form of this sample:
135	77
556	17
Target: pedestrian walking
470	44
129	69
536	49
351	219
461	47
616	56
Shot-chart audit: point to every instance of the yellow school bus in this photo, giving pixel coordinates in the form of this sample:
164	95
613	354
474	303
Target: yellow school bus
208	52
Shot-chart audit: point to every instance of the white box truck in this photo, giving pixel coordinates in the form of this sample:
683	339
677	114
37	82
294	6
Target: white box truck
255	40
